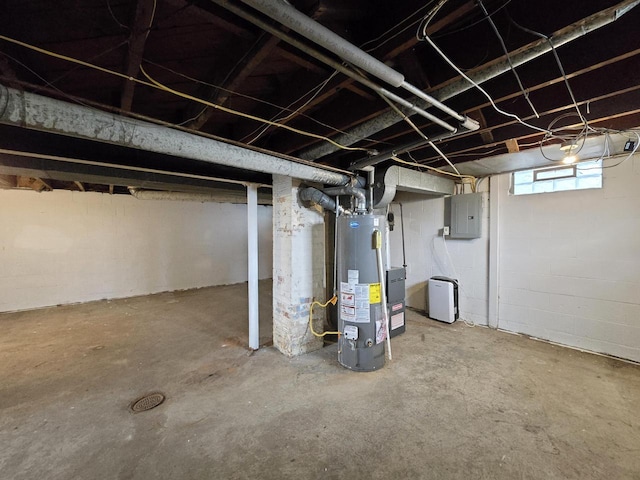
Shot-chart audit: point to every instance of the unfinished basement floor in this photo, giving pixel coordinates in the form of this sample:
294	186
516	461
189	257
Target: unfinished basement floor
456	402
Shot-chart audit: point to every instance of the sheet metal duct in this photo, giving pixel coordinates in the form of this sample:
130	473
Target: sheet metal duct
396	178
36	112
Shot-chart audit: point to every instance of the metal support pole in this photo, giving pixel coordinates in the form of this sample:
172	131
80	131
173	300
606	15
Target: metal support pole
252	243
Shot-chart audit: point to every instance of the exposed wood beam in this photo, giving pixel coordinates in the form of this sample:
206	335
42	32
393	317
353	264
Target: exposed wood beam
299	60
431	29
8	181
79	185
536	135
36	184
139	32
263	46
511	96
308	65
512	145
347	82
212	18
487	136
6	69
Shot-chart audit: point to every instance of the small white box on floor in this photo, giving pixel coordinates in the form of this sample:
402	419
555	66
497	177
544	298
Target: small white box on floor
443	299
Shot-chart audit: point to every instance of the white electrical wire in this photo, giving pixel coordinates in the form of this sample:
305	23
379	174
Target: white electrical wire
317	88
379	37
482	90
419	132
457	278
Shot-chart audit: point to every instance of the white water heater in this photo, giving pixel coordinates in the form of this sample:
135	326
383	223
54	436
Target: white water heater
443	299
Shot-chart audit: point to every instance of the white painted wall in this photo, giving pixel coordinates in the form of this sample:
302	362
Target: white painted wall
570	264
65	247
429	255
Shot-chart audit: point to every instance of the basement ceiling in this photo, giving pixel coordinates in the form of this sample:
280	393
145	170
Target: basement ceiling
193	57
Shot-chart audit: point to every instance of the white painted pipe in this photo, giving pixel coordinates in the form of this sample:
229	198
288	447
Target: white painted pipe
383	289
252	245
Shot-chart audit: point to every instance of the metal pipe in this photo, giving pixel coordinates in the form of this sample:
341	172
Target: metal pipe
392	152
331	62
313	195
297	21
36	112
383	291
252	266
358	193
481	75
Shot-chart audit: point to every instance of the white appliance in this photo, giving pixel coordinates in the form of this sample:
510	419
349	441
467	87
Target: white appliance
443	299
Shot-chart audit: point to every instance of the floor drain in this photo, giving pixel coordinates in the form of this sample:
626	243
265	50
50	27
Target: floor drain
147	402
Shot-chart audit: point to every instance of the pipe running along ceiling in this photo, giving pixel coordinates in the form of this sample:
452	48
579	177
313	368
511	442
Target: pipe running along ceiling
209	90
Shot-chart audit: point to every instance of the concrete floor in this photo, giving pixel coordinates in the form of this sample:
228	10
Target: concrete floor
456	402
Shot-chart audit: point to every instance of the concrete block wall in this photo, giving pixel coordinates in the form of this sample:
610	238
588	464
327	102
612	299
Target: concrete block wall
429	255
298	269
65	247
570	264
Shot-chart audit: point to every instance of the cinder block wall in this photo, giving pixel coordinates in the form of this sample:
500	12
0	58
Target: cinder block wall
570	264
429	255
65	247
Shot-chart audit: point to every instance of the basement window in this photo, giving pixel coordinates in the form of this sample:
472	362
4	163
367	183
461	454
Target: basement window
557	179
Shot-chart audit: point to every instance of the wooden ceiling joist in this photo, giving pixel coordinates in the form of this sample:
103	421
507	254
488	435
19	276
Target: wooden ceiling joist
143	19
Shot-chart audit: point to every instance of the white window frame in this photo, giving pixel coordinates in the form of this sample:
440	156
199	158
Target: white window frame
577	171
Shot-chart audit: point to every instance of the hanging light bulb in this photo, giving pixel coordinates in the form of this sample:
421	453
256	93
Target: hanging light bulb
569	147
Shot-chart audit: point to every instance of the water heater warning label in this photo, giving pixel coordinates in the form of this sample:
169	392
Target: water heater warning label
374	293
354	302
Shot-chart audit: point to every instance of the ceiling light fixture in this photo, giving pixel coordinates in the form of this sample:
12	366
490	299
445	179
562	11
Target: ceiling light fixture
570	148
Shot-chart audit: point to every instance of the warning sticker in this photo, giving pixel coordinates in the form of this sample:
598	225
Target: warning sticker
397	320
362	303
353	276
374	293
381	332
348	299
348	313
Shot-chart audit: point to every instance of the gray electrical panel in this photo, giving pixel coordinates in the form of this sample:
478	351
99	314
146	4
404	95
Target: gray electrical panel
464	215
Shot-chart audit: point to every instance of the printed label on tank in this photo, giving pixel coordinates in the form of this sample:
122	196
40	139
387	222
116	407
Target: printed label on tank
396	307
353	276
374	293
397	320
353	224
376	222
362	303
381	332
347	287
348	314
348	299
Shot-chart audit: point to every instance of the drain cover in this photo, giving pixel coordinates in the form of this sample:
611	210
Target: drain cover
147	402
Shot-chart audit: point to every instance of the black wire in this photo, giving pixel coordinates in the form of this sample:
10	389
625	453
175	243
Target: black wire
404	255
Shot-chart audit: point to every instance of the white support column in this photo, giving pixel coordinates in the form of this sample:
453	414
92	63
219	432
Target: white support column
298	268
494	249
252	242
